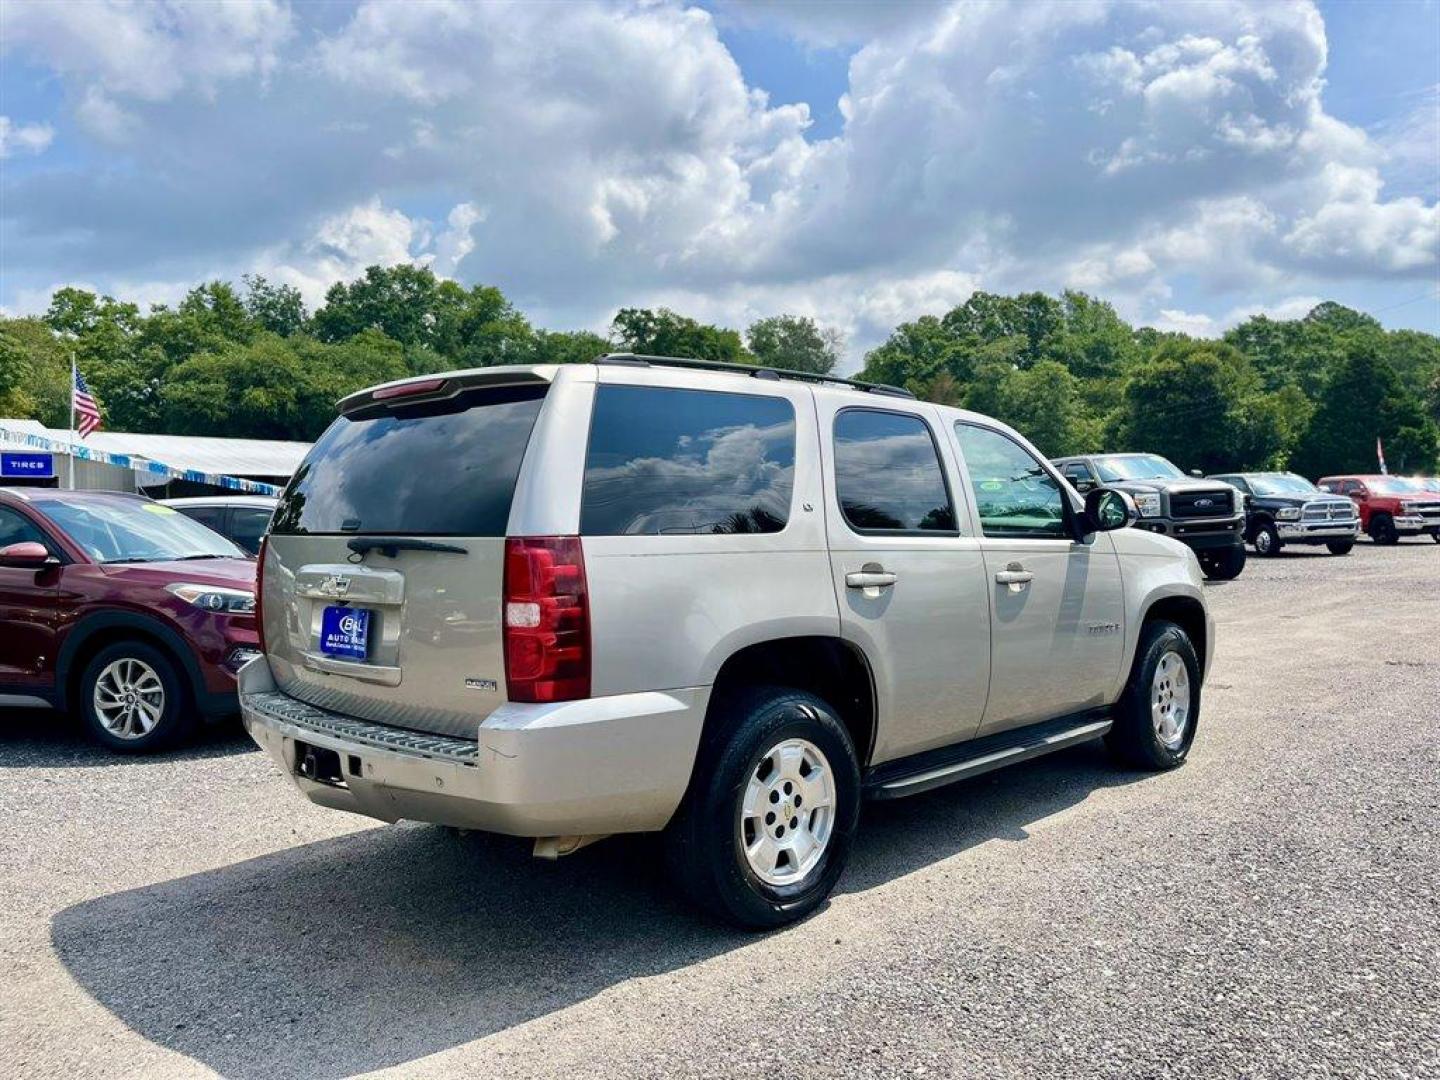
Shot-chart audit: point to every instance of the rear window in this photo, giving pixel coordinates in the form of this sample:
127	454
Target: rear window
431	469
665	461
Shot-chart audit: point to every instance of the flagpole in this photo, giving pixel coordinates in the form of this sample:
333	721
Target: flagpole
72	419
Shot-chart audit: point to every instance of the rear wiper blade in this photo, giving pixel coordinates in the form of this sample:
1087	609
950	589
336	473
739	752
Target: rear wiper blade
390	546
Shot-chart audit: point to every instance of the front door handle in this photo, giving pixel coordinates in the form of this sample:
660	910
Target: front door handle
1015	576
872	577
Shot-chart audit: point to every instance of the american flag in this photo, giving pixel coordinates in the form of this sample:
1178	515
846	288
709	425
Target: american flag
83	402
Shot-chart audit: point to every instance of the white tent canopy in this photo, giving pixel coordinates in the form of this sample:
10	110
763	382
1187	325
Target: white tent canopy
230	457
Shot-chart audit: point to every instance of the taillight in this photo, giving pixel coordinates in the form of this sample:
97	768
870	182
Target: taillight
547	619
260	591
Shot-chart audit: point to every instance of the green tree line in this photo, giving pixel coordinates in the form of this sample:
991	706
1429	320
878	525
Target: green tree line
1311	394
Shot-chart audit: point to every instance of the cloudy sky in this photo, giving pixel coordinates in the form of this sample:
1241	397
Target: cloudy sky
861	162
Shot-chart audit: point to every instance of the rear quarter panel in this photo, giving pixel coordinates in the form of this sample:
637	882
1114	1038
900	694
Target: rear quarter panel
668	610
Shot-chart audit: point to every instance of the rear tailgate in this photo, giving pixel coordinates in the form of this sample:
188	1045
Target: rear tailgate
385	562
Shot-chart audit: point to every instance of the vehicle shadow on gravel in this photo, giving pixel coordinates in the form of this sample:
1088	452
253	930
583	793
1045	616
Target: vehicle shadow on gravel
43	738
390	944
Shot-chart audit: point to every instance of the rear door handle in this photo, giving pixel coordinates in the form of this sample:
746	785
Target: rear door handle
1014	575
869	579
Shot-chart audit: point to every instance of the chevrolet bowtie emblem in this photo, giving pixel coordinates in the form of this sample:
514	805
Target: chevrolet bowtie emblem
335	586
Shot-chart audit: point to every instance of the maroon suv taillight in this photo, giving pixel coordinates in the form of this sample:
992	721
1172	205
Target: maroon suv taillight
547	619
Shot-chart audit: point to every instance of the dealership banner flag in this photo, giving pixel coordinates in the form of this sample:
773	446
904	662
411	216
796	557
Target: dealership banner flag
1380	453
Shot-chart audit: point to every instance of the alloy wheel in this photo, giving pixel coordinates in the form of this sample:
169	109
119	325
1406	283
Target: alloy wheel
129	698
1170	700
788	812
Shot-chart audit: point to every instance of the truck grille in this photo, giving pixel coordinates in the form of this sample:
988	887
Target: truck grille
1430	511
1198	504
1329	510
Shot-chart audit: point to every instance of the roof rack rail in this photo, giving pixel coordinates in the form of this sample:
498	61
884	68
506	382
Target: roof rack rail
641	360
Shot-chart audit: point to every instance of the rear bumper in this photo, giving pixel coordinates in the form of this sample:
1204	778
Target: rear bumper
602	765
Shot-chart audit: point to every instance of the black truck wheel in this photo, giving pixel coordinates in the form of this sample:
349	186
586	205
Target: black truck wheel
1340	547
1382	530
1223	565
1266	539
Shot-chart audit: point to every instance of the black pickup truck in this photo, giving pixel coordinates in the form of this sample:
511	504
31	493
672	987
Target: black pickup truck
1284	508
1206	515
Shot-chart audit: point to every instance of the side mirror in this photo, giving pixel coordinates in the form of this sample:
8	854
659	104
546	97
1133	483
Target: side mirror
1083	484
26	555
1197	472
1107	510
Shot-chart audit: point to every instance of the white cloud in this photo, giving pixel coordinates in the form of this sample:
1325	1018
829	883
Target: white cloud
369	234
150	51
1167	156
17	139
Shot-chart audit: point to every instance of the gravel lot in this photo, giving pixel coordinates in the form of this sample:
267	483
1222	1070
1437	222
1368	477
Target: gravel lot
1270	910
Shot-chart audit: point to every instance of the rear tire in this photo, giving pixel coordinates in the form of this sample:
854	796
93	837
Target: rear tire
133	699
1225	565
1157	715
1341	547
1267	540
1382	530
745	845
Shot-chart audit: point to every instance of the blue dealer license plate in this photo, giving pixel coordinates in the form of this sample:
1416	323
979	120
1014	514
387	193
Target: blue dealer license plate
345	632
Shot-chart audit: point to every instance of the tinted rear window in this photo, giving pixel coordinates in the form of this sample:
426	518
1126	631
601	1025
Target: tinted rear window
440	469
665	461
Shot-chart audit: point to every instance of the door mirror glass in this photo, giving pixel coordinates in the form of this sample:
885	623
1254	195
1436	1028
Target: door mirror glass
1107	510
27	555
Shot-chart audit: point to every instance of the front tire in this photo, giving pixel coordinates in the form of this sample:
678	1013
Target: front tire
133	699
1382	530
1225	565
1157	715
1341	547
766	828
1267	540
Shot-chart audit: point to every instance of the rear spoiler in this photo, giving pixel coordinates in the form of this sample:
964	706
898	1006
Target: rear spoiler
445	385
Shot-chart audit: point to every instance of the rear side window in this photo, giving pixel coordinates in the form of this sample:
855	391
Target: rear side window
664	461
212	517
247	526
887	474
432	469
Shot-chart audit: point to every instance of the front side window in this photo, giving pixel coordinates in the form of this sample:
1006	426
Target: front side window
887	474
666	461
1014	494
16	528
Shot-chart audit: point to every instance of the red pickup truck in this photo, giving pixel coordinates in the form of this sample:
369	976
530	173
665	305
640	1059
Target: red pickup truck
1390	506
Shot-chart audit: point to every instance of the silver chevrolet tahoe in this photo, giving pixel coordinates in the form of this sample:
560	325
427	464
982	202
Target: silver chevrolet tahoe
719	602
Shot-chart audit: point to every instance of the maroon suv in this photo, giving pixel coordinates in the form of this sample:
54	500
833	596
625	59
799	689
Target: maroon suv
124	610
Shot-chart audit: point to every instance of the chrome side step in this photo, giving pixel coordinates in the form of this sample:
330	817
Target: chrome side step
934	769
